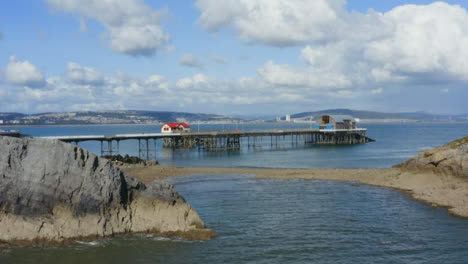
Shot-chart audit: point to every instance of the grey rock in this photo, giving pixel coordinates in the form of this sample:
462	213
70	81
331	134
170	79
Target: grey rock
449	159
37	176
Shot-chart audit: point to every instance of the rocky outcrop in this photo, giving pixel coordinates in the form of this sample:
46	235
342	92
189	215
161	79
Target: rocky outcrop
449	159
54	192
127	160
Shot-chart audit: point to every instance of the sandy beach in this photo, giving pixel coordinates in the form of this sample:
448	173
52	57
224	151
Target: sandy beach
438	190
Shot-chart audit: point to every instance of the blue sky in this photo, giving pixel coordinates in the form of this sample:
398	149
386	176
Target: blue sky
233	56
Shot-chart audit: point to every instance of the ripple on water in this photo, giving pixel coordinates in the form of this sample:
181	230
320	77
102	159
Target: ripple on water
280	221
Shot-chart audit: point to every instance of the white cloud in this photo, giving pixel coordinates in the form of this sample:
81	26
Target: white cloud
83	75
133	27
274	22
193	82
155	79
117	92
23	73
190	60
424	39
411	44
197	93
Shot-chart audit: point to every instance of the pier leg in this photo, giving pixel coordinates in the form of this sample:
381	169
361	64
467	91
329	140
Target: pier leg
139	148
109	147
147	149
155	147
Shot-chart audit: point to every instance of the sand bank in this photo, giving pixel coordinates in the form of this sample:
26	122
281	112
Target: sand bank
438	190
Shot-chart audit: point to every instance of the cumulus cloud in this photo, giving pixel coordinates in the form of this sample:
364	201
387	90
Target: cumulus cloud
84	88
346	59
132	27
274	22
83	75
155	79
23	73
190	60
410	44
198	80
424	39
116	92
196	93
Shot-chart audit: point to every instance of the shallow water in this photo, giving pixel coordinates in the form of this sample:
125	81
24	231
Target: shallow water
278	221
285	221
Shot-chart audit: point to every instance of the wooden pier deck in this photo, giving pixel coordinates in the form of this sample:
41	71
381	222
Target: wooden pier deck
222	140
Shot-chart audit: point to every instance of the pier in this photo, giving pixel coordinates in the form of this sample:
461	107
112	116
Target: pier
223	140
10	133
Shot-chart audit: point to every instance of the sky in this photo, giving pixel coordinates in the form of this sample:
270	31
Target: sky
234	57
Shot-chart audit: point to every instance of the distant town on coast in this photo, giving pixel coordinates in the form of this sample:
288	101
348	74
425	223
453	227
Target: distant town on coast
160	117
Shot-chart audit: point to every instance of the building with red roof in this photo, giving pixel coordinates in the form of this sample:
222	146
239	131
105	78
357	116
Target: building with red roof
175	127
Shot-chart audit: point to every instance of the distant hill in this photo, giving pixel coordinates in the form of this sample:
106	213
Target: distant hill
110	117
373	115
157	117
11	116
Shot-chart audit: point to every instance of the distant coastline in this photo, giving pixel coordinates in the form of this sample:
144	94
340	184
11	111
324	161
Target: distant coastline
140	117
376	121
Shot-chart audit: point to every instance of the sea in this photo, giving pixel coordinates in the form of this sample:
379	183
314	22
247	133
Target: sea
282	221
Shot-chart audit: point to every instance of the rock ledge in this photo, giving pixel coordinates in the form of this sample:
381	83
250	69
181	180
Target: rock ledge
54	192
449	159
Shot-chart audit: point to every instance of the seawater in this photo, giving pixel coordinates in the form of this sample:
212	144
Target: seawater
277	221
287	221
395	142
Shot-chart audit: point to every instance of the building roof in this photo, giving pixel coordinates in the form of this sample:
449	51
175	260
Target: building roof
340	118
175	125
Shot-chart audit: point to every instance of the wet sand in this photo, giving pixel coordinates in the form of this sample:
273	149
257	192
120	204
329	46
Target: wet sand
438	190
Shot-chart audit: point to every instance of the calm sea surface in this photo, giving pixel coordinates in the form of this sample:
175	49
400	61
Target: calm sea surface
279	221
394	143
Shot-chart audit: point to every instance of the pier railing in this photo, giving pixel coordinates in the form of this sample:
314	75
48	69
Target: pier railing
222	140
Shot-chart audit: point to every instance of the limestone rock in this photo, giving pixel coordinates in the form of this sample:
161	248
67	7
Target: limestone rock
449	159
54	191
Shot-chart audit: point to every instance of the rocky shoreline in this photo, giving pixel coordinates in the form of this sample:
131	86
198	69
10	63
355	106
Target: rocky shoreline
53	192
